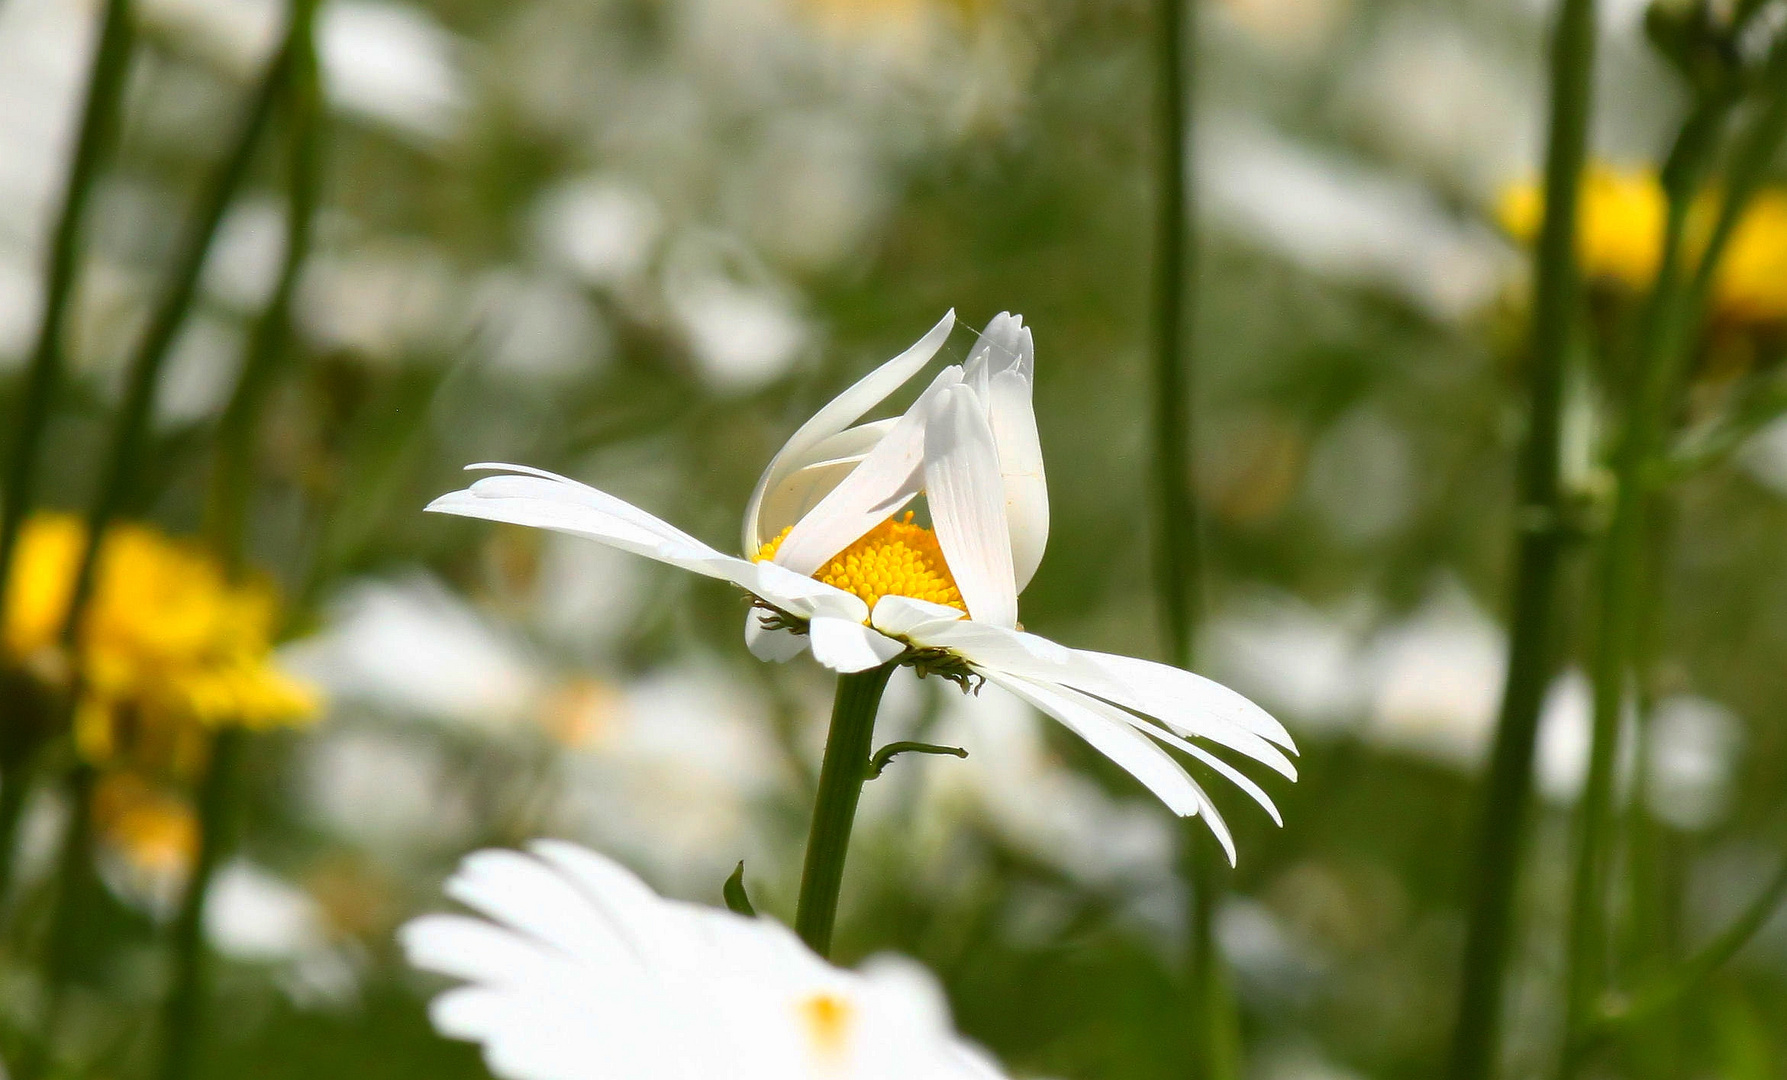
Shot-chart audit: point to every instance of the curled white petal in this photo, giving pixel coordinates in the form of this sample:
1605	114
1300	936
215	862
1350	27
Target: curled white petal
835	417
967	499
889	477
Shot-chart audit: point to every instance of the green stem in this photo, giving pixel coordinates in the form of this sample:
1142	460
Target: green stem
1623	590
232	470
99	122
15	787
181	1015
841	776
1539	545
125	455
1177	558
74	871
232	481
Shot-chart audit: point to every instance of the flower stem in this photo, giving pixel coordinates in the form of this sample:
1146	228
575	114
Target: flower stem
99	122
181	1028
1623	587
232	469
232	480
841	777
126	453
1539	544
1177	557
74	872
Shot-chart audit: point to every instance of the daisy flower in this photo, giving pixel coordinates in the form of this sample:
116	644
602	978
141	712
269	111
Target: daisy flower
581	971
836	564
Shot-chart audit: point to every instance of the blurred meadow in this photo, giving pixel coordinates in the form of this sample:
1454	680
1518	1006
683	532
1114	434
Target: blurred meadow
638	242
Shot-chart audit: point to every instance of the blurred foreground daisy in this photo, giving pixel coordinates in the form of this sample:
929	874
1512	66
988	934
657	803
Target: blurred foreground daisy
582	971
832	569
169	648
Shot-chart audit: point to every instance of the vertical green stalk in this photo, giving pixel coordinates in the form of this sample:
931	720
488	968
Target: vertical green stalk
125	455
1177	561
1540	537
232	463
99	122
1623	589
182	1014
841	776
232	479
122	463
71	908
1623	584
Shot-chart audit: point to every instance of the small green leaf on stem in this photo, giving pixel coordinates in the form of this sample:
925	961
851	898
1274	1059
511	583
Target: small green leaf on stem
734	891
888	752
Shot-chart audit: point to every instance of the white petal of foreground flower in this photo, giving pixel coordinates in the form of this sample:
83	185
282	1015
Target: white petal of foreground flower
582	972
835	571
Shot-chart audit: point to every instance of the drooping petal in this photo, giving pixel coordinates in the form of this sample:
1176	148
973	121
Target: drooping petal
847	646
837	415
771	646
887	479
967	500
1161	687
1125	746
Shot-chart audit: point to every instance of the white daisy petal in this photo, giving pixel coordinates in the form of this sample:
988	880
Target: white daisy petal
967	499
706	993
543	501
899	614
1123	744
839	414
771	646
1160	685
846	645
804	596
1223	768
1020	469
887	479
832	460
999	348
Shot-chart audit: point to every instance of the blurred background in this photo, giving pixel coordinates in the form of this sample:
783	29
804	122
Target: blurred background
638	242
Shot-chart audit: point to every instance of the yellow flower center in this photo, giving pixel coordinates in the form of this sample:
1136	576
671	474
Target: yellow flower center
895	558
827	1018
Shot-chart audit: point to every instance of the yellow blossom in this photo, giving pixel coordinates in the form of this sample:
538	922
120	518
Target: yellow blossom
1620	236
169	649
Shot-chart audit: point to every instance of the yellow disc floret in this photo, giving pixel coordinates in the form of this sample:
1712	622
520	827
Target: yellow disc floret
895	558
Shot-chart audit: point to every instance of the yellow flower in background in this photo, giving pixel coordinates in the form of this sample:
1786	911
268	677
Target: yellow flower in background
1621	223
170	649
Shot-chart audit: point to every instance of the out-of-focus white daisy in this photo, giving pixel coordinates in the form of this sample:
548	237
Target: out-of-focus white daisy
1345	220
743	327
412	647
392	63
835	571
255	916
599	227
667	772
1694	744
580	971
